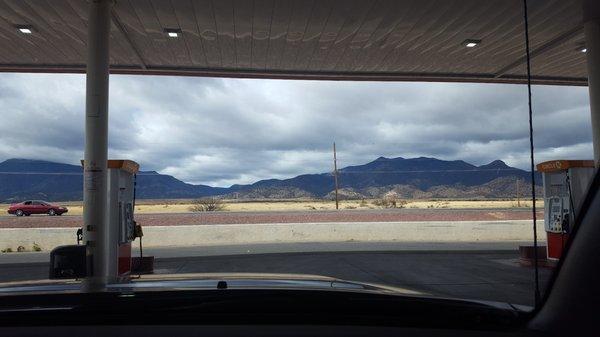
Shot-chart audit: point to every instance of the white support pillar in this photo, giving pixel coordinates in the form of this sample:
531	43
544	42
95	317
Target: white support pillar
96	146
591	17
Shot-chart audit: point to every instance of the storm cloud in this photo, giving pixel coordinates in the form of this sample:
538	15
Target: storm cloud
227	131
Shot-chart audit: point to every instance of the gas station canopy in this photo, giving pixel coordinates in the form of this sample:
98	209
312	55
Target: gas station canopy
390	40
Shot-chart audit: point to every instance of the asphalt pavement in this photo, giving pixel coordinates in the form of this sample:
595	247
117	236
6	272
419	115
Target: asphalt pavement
488	271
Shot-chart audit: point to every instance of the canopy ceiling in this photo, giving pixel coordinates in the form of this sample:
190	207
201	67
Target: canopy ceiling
408	40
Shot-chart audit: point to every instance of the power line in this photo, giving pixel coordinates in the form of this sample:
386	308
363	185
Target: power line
64	173
536	293
44	173
343	171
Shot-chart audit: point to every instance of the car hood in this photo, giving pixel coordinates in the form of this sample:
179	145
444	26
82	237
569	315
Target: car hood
206	281
210	281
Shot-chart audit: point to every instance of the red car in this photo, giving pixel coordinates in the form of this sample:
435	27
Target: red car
36	207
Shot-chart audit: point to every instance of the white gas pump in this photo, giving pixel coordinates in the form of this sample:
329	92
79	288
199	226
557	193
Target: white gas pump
565	185
121	225
121	229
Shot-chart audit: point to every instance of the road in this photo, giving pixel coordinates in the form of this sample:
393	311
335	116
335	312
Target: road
467	270
211	218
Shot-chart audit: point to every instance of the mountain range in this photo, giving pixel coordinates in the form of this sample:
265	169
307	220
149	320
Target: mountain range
405	177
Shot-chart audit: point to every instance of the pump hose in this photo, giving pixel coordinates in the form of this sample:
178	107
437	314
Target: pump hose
135	224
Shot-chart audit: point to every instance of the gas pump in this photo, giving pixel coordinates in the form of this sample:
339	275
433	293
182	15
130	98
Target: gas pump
565	185
122	227
69	261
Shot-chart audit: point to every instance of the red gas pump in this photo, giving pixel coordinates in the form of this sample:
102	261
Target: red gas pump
565	185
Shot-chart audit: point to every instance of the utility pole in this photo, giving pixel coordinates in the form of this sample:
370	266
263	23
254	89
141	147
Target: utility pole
518	200
335	175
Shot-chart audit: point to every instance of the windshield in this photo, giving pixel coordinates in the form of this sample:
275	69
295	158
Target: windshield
420	187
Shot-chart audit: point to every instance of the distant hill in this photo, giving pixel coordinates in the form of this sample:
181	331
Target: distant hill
408	178
425	173
503	187
422	175
36	179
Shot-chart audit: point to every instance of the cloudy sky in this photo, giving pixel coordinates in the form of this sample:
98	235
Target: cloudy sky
225	131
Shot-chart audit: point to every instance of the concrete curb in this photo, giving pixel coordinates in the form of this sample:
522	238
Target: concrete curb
216	235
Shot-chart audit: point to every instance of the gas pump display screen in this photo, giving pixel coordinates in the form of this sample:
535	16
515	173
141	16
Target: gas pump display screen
557	189
127	225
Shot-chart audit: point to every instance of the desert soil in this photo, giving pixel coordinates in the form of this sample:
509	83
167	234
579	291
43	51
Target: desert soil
182	206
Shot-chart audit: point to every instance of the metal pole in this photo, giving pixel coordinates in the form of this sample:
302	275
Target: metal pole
591	17
335	174
518	200
96	146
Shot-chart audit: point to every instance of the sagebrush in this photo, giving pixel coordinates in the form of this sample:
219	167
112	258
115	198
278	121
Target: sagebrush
207	205
389	202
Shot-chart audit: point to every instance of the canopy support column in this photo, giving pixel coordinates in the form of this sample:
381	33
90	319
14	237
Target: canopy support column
95	219
591	15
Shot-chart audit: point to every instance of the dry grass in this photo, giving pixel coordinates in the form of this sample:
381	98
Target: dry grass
183	206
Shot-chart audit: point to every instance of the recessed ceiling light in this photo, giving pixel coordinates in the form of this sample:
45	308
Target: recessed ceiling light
25	29
173	32
471	43
583	50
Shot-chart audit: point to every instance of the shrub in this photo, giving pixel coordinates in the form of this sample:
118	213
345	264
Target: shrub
20	249
390	202
7	250
207	205
36	247
379	202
